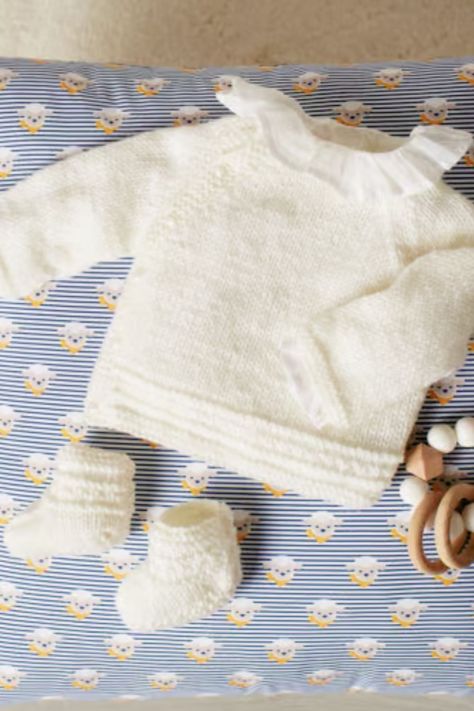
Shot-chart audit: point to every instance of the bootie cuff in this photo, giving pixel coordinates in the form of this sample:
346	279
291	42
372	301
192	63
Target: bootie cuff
192	569
102	478
196	530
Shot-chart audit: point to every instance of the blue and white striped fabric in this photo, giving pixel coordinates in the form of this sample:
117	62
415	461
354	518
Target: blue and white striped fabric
44	112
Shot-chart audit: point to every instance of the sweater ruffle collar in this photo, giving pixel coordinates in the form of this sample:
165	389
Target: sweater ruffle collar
361	163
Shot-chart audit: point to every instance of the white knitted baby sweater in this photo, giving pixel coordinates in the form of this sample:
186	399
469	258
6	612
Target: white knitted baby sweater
297	286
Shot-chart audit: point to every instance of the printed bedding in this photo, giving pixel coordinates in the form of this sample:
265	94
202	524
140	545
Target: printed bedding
309	615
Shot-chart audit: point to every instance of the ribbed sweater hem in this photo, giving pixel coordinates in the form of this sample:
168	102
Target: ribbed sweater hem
306	463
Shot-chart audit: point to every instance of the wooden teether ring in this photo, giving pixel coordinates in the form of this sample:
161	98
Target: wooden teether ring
421	514
416	529
446	550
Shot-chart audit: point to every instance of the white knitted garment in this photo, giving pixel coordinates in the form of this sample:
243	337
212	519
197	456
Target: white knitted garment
87	508
297	285
192	568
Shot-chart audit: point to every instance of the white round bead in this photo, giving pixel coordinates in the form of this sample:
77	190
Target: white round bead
442	437
465	431
413	490
456	527
468	517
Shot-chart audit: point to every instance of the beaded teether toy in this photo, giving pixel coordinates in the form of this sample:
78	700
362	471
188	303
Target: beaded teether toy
436	508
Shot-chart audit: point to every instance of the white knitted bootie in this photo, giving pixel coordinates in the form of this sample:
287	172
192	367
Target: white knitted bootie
86	510
192	568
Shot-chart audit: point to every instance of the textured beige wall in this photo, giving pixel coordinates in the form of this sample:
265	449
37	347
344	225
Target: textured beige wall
208	32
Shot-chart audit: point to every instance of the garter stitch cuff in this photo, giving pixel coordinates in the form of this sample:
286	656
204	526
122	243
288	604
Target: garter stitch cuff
86	509
192	568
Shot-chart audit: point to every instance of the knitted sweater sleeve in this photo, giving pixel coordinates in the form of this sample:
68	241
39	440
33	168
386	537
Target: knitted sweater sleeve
92	206
383	346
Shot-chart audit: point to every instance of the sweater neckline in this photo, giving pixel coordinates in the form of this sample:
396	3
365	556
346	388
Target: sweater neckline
361	163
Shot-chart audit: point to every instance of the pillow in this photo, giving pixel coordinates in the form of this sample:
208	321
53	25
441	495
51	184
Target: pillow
329	598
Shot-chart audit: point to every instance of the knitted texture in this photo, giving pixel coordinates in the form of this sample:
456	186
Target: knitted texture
192	568
87	508
245	335
350	357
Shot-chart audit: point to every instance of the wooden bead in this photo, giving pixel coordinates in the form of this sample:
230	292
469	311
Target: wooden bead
442	438
413	490
465	431
468	517
456	527
424	462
